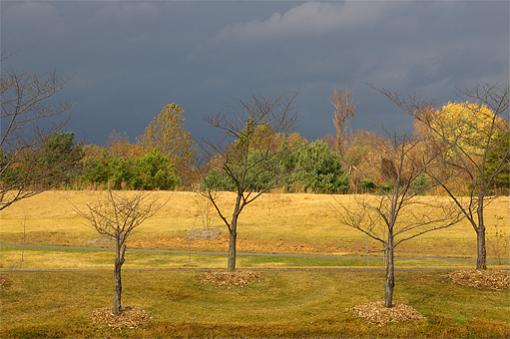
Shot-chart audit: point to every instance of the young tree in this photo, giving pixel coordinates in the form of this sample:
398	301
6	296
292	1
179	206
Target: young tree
117	216
471	134
167	133
26	109
344	110
249	165
398	215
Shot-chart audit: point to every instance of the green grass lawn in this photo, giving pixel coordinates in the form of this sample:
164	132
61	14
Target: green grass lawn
10	258
280	304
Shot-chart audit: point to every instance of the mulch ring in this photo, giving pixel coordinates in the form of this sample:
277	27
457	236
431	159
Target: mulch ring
5	283
493	279
229	279
376	313
204	234
131	317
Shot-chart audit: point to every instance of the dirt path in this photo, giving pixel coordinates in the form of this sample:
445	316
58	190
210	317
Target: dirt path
263	254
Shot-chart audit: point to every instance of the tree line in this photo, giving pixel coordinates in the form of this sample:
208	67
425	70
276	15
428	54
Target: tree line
164	157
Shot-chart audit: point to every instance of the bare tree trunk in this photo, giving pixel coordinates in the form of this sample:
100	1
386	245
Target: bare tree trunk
390	273
481	259
232	243
119	260
339	146
481	250
232	251
117	305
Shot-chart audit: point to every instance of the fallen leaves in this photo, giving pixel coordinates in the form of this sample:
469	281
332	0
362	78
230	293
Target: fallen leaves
229	279
131	317
493	279
376	313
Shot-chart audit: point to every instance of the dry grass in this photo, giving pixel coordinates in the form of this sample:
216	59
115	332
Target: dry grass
276	222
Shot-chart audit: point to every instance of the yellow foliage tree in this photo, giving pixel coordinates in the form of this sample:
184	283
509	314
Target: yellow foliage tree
470	136
465	123
167	133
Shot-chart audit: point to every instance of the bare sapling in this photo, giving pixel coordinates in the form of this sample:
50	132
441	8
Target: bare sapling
249	163
398	215
344	110
116	216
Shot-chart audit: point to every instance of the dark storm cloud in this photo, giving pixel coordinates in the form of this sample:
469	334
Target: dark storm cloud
125	60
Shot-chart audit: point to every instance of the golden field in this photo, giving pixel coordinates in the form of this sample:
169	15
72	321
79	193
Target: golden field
282	303
277	222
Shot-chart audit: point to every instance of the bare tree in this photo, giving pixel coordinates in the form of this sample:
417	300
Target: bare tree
459	155
344	110
26	110
248	165
116	216
398	215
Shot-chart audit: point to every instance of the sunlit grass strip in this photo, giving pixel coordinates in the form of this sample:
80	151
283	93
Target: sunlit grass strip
10	258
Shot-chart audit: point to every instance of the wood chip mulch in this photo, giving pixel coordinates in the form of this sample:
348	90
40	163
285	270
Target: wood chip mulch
493	279
375	313
5	283
229	279
204	234
131	317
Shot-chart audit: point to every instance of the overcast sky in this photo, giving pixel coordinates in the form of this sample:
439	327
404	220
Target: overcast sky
124	60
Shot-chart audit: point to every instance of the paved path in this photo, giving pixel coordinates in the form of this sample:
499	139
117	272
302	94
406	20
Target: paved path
262	254
203	269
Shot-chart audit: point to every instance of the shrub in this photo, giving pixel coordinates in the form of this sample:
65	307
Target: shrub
154	171
318	169
420	185
367	185
385	187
